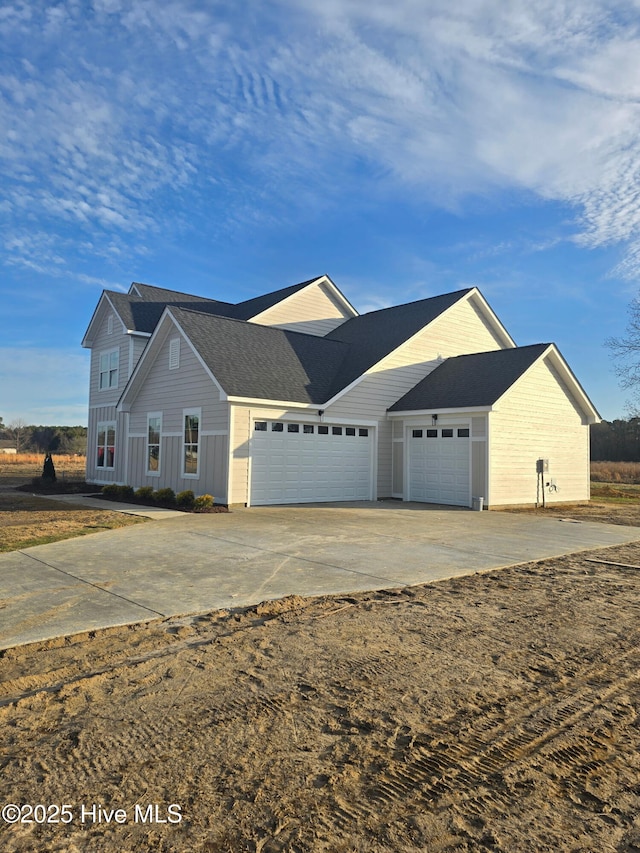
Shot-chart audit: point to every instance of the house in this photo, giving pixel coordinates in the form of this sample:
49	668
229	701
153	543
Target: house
8	446
294	397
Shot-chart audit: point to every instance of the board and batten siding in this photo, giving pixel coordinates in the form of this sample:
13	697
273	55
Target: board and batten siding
100	415
170	392
313	310
538	418
461	330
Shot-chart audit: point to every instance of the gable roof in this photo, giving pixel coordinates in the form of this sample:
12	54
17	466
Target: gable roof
249	360
470	381
374	335
141	308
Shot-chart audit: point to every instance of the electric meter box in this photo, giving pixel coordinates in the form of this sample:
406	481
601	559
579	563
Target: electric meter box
542	466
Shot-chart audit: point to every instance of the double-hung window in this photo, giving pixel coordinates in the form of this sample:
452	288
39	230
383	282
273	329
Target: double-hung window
106	445
191	442
154	428
108	373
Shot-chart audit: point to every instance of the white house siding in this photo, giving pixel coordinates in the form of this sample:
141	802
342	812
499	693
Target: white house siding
460	331
170	392
314	311
538	419
104	342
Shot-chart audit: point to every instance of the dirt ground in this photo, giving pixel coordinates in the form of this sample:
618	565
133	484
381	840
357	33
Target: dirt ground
496	712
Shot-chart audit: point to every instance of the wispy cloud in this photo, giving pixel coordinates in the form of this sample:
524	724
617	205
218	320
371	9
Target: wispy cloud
124	117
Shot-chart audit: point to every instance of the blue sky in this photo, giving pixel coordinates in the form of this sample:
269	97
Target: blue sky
228	149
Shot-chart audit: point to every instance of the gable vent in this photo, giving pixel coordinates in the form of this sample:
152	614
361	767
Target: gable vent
174	353
110	324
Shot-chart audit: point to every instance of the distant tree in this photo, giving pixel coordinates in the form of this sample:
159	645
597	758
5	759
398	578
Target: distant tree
625	352
17	428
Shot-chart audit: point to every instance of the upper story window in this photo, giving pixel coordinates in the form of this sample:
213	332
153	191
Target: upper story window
108	377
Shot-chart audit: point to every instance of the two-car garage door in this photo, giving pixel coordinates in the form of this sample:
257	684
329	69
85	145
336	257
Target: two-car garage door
297	462
439	465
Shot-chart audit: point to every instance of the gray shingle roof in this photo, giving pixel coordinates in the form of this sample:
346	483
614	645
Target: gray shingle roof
250	360
467	381
372	336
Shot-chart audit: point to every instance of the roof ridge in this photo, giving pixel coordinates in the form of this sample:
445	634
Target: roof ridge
416	301
255	325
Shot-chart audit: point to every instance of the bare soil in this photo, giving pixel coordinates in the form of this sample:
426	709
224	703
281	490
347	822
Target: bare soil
496	712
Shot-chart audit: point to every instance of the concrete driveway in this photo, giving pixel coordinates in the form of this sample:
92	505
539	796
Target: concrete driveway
196	563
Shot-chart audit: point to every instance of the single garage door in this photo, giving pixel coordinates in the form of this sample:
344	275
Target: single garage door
295	462
439	468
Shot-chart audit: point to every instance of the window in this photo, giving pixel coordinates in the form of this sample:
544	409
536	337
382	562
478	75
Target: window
336	430
308	429
174	353
108	369
432	433
416	433
260	426
277	427
323	430
363	433
154	427
106	450
463	433
293	427
447	433
350	431
191	442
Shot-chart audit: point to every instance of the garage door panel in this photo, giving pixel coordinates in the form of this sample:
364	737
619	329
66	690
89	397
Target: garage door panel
308	466
439	467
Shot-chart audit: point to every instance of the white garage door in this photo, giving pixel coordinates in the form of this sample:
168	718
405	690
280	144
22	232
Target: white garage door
439	465
294	462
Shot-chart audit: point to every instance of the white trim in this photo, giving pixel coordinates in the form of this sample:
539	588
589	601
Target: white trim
138	334
190	412
130	356
172	434
87	341
276	404
412	413
135	434
125	430
148	472
487	499
231	423
133	290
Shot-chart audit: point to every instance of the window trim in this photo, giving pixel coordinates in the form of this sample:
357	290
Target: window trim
148	444
197	412
105	426
109	370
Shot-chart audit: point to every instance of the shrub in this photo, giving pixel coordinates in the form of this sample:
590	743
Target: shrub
185	499
165	496
144	493
111	491
203	502
117	493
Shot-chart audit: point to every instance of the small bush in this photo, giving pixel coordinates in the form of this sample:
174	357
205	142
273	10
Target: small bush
111	491
185	499
117	493
203	502
165	496
144	493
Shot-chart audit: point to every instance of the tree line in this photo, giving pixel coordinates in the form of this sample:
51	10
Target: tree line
29	438
616	441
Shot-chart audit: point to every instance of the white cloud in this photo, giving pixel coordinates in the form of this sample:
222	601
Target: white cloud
254	116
